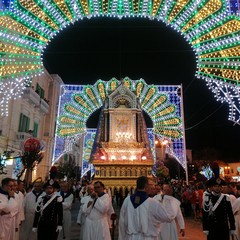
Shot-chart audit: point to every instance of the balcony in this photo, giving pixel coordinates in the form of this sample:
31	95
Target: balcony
20	139
22	136
44	106
31	96
36	100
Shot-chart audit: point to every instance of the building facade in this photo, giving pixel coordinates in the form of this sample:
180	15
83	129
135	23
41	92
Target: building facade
32	115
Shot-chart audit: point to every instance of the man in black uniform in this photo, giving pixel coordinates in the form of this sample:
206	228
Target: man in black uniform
218	220
49	213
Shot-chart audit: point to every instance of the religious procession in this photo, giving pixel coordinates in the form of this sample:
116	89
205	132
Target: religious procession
151	212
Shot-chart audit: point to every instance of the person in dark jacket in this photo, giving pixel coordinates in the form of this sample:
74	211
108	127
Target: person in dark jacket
49	212
218	220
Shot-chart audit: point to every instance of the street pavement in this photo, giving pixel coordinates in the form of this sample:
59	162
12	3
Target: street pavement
193	230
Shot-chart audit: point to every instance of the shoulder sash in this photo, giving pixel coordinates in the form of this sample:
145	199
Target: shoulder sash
218	202
49	201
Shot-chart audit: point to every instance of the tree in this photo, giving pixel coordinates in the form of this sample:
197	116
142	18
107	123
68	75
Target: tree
2	166
67	169
3	158
162	172
29	161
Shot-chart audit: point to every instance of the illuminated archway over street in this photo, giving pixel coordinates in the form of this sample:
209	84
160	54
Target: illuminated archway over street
26	27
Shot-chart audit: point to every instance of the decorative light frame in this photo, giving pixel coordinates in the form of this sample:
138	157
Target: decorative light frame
162	103
26	27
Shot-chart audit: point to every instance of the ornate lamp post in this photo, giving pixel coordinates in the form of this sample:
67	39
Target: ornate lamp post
162	144
32	155
162	172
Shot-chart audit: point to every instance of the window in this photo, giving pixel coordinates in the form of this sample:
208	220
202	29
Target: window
35	129
40	91
23	123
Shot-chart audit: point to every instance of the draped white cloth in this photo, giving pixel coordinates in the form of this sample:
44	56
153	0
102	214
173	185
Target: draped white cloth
168	231
9	210
82	212
96	224
143	222
20	216
83	205
29	203
67	218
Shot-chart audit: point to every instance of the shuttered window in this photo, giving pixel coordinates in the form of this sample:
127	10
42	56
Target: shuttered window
40	91
24	123
35	129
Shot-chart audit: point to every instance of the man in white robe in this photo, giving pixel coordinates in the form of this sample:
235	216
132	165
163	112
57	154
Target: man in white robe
83	208
67	216
20	216
141	216
168	231
225	190
8	210
83	204
30	202
96	224
83	190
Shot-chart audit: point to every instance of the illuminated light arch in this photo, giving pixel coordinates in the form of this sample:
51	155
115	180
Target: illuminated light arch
26	27
79	102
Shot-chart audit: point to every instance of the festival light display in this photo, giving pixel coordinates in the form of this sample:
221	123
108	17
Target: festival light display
26	27
87	148
79	102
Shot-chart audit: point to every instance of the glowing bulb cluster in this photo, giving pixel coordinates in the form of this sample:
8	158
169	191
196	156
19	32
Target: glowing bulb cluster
208	25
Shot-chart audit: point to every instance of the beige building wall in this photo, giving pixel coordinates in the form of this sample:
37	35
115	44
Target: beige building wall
42	111
231	171
48	131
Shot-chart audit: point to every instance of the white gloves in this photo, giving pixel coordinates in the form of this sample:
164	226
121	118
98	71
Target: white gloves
59	228
232	232
206	232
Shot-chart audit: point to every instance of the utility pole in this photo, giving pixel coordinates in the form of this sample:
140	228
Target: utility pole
184	137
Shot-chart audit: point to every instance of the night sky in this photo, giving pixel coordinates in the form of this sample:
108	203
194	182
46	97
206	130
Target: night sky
103	48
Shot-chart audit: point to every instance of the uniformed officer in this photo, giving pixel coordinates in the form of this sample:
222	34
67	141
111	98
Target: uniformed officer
49	213
218	220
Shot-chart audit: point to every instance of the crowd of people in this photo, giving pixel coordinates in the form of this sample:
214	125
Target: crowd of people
151	212
43	212
37	214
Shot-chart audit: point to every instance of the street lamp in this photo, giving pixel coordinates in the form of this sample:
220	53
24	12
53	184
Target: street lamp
162	144
31	157
227	170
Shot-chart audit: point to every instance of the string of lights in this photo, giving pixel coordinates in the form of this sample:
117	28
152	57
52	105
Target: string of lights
211	28
79	102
